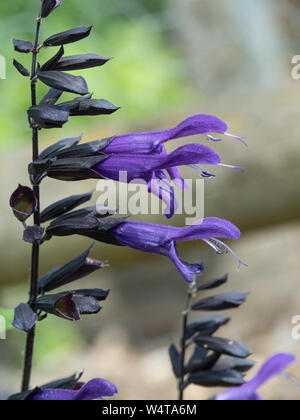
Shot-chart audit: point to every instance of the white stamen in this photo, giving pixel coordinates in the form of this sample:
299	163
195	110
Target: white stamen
218	242
238	168
237	137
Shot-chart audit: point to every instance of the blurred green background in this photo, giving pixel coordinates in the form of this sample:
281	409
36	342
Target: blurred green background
172	59
145	77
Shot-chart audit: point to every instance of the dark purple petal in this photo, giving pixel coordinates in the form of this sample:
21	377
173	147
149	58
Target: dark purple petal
188	271
273	367
211	227
151	142
177	179
92	390
161	187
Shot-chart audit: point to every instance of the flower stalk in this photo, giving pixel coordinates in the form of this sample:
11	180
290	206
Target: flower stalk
185	318
30	339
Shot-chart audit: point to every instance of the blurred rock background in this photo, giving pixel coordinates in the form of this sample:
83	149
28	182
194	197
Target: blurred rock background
173	59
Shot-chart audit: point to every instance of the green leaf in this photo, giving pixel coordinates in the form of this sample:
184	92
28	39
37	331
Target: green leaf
8	315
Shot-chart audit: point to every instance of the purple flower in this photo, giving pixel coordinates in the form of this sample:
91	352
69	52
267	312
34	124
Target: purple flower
150	168
248	392
143	156
161	239
152	142
92	390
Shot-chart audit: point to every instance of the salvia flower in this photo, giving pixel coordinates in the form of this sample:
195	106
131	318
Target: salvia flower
92	390
152	142
147	237
161	239
248	392
143	158
23	203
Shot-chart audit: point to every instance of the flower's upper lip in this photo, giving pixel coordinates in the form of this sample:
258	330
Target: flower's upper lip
152	141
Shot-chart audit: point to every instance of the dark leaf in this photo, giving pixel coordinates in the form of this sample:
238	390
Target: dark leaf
50	64
25	318
75	169
22	46
97	212
213	284
77	62
64	383
61	305
201	360
21	69
33	234
89	107
175	358
51	97
64	81
48	6
223	346
62	144
67	37
221	302
23	203
228	378
234	363
87	305
64	206
98	294
48	116
78	268
22	396
73	104
84	150
208	323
